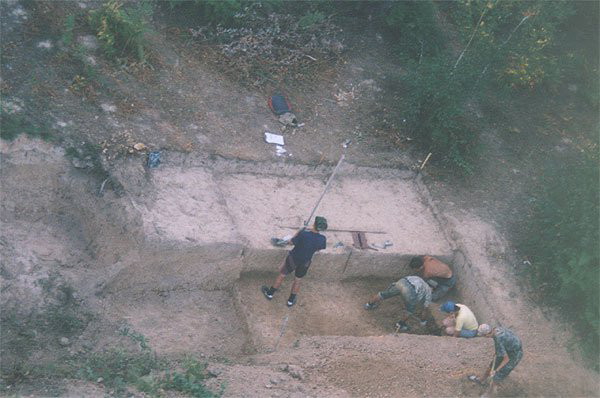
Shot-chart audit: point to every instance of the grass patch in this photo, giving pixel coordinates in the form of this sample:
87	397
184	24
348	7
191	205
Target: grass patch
145	371
120	370
22	335
14	124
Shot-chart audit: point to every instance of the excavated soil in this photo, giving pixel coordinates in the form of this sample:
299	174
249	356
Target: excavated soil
179	253
202	296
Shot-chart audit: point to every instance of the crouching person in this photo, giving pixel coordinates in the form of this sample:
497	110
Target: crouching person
416	295
461	322
508	353
436	273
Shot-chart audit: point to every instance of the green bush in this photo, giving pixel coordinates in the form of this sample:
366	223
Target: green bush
414	28
121	29
67	34
215	12
221	11
190	381
561	239
515	41
310	19
433	104
118	368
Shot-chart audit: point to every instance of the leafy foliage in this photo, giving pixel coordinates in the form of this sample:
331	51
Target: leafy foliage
222	11
414	28
217	12
67	35
118	368
513	40
190	381
144	370
434	108
562	242
311	19
121	29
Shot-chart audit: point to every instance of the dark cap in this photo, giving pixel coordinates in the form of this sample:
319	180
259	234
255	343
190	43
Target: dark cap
320	223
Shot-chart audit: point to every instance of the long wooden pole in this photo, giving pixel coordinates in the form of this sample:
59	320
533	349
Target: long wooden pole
307	221
339	230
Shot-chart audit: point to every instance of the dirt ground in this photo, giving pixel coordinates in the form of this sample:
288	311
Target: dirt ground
179	253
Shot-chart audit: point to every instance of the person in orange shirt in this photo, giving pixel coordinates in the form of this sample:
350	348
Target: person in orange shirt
436	273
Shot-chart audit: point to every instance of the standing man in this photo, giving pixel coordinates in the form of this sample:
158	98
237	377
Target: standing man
436	273
415	293
461	322
509	352
306	243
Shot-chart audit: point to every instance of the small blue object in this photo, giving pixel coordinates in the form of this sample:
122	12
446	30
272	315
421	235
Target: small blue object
153	159
279	104
448	306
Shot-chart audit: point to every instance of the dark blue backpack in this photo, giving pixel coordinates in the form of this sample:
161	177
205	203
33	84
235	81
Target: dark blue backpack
279	104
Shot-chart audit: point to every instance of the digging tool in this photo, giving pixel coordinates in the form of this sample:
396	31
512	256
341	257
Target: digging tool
282	331
489	392
312	213
345	145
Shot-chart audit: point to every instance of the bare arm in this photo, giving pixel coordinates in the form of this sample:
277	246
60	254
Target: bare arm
502	364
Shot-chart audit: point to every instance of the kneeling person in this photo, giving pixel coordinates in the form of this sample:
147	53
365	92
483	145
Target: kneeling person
306	244
461	322
415	293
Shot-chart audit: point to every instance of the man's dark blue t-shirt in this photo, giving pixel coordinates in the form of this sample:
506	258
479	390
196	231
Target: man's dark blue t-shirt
306	243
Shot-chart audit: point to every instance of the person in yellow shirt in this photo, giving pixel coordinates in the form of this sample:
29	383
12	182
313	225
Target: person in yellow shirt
461	322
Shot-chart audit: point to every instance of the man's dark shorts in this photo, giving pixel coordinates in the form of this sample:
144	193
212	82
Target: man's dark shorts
448	282
288	266
443	286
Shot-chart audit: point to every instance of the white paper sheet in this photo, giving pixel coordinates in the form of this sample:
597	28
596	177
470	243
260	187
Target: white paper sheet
274	138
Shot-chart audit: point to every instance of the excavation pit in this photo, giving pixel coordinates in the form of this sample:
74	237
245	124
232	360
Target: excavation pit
207	229
324	308
240	320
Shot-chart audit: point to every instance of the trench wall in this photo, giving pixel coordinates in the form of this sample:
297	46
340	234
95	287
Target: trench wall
471	283
204	224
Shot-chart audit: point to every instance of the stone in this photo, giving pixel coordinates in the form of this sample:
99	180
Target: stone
283	367
296	372
81	164
214	371
64	341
